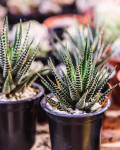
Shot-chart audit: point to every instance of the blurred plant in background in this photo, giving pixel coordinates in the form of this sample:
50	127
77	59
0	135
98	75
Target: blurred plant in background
39	32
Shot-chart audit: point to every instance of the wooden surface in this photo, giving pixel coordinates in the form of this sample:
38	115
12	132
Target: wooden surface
110	135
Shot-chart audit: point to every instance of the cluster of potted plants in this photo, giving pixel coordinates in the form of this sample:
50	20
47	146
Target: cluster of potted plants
76	104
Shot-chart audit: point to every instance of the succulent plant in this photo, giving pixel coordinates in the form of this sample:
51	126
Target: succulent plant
81	87
15	61
92	39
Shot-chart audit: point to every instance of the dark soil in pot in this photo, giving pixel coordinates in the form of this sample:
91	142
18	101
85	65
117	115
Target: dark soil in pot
18	122
75	132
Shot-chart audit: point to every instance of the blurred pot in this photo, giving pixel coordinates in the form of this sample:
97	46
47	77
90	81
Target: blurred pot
116	91
115	62
57	23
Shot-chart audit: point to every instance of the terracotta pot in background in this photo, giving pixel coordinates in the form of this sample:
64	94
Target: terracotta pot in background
51	21
116	91
56	24
115	62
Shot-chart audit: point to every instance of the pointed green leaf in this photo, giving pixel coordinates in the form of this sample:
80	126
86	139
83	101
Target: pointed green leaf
81	103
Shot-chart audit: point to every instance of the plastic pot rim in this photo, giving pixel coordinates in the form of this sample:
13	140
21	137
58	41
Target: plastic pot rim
40	93
43	105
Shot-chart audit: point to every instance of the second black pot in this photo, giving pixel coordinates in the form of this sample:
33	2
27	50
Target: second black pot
75	132
18	122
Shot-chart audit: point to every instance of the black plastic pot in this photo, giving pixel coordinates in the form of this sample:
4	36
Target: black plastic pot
75	132
18	122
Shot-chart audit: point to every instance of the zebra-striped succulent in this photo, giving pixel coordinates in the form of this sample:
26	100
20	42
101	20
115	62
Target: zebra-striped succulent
86	37
15	61
81	87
